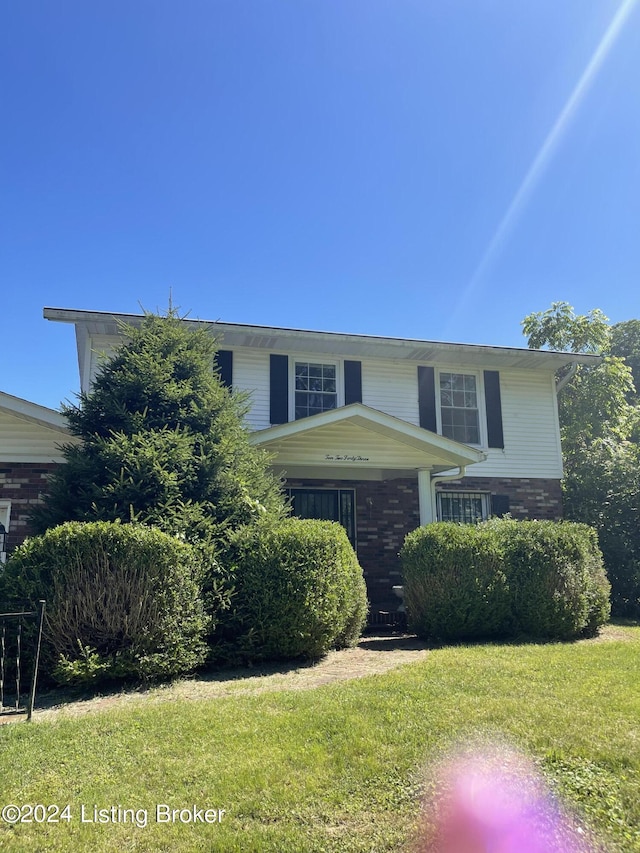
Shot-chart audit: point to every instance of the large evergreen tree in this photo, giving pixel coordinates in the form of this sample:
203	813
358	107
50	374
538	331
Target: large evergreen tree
162	441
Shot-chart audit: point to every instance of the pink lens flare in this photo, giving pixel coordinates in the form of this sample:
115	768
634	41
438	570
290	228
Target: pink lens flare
494	801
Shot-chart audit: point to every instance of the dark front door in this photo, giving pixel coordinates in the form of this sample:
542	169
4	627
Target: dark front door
327	504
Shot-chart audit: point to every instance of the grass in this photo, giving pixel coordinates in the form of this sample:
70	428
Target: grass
340	767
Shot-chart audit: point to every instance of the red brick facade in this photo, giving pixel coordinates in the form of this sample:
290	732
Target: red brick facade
529	497
22	483
386	511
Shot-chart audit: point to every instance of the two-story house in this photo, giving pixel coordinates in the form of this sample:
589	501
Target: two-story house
384	434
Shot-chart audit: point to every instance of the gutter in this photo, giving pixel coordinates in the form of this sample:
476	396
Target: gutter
573	367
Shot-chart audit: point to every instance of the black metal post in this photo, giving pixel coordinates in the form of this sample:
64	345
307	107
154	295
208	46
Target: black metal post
32	695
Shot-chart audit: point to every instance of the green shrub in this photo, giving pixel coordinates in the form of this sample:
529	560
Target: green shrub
298	592
540	578
558	585
123	600
454	582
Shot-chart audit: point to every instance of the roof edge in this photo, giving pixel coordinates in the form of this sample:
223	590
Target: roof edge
33	412
72	315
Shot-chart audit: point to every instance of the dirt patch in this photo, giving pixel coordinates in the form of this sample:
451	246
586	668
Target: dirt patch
372	656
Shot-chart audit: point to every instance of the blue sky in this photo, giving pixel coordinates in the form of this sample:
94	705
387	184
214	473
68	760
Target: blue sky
409	168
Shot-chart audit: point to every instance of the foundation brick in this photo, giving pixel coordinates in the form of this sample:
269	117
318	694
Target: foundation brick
386	511
23	484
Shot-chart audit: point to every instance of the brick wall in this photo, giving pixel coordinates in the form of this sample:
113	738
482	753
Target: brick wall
386	511
22	483
528	497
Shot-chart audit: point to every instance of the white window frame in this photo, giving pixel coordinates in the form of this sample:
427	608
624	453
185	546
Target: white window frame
314	358
484	496
480	400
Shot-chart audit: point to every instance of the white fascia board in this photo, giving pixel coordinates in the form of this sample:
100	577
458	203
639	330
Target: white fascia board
275	339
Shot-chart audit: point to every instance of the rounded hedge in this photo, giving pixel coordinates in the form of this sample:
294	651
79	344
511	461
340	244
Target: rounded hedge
559	588
454	582
504	578
123	600
298	592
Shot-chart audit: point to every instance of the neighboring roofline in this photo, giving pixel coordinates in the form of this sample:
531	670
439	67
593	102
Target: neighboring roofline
33	412
558	358
380	422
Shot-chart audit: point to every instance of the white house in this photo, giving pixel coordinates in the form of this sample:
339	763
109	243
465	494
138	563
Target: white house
383	434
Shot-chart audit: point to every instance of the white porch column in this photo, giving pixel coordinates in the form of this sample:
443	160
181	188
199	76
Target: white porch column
425	497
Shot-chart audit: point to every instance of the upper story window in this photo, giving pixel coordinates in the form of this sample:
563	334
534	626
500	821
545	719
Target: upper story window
459	407
316	388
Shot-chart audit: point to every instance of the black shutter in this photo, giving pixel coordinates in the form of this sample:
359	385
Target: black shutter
427	398
279	389
495	437
499	505
224	363
352	382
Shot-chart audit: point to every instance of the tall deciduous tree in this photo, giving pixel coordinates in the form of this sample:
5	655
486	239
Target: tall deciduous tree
600	427
594	404
625	343
161	441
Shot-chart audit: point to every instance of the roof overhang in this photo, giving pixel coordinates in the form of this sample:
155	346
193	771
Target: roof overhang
98	323
33	413
31	433
357	438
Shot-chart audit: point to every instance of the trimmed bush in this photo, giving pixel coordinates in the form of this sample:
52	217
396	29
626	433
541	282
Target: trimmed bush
454	582
298	592
559	588
540	578
123	600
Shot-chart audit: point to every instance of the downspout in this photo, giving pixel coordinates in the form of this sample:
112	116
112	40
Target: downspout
444	478
567	377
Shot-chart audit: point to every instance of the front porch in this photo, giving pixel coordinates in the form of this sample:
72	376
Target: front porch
387	465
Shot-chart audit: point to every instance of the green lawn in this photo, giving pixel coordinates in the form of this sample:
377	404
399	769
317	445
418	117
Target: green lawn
340	767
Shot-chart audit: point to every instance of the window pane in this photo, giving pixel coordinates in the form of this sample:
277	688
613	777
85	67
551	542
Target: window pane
316	388
459	407
462	507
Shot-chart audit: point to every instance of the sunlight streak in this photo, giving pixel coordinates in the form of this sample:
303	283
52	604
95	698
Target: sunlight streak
548	148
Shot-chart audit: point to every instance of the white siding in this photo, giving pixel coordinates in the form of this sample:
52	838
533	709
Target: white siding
101	347
392	388
531	436
25	441
251	373
532	442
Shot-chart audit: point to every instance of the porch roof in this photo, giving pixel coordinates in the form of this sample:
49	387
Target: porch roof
356	438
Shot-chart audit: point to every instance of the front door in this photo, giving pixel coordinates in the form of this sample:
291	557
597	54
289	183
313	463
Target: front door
328	505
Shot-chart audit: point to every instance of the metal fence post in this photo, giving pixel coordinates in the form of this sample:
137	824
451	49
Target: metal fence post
34	678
